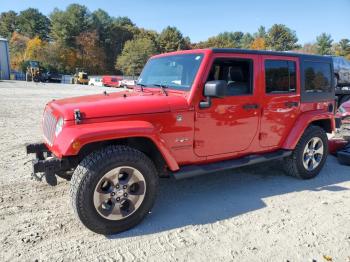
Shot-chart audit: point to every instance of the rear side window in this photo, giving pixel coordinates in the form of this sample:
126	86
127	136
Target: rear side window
318	77
280	76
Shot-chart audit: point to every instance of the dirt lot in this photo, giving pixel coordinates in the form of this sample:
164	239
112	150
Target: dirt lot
250	214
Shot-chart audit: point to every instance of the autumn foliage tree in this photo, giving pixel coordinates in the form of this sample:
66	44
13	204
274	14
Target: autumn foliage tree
18	45
34	49
90	55
103	44
258	44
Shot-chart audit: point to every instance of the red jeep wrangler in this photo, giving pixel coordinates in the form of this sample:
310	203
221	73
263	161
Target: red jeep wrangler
191	112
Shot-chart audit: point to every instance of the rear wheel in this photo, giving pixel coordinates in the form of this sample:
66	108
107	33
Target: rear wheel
309	155
113	189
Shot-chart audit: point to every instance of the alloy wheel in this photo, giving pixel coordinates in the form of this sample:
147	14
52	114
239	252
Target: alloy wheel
313	153
119	193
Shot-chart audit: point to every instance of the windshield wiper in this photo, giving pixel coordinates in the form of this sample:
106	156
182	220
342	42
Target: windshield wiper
163	87
141	86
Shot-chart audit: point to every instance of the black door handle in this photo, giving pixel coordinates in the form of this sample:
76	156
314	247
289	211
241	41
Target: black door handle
291	104
250	106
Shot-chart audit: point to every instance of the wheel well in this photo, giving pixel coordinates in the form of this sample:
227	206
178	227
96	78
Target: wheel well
325	124
142	144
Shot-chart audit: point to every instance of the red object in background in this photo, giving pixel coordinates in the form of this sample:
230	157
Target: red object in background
112	81
344	112
336	144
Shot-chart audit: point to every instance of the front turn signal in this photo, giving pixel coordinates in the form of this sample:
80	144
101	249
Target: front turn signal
76	145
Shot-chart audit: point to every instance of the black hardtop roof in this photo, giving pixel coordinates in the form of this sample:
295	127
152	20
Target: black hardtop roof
276	53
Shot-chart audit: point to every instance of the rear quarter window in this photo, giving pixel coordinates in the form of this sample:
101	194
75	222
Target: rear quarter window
318	77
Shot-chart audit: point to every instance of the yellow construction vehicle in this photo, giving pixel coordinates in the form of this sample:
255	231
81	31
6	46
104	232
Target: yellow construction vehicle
33	72
80	77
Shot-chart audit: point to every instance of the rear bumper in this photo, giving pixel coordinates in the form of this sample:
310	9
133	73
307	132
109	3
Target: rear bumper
44	161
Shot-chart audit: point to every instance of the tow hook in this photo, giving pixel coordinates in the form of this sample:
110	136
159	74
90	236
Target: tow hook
45	164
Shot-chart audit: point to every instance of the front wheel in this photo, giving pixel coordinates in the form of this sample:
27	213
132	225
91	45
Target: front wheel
309	155
113	189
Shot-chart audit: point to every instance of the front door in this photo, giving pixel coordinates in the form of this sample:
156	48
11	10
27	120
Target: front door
280	99
230	124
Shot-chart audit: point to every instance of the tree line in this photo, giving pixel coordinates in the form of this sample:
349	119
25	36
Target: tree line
102	44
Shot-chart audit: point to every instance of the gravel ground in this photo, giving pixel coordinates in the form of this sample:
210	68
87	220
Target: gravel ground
249	214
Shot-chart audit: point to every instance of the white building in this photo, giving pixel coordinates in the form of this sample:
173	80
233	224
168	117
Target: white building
4	60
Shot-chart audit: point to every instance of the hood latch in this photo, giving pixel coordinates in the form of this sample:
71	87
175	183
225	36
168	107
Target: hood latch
77	116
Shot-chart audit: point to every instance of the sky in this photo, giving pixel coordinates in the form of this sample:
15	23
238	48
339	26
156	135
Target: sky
202	19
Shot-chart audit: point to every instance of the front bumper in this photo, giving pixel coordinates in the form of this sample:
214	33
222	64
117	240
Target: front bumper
45	163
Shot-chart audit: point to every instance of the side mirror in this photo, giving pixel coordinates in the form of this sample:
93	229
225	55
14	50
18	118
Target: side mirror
212	89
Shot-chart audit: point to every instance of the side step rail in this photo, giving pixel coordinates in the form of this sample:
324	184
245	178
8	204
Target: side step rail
196	170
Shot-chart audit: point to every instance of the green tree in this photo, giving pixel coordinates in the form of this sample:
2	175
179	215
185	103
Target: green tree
69	24
324	44
8	24
123	21
261	32
247	40
281	38
171	39
344	47
114	43
224	40
102	23
134	56
32	23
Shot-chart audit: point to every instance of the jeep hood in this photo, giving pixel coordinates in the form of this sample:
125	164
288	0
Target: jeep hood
118	104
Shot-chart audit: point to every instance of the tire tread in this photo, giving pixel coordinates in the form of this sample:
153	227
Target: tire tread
86	169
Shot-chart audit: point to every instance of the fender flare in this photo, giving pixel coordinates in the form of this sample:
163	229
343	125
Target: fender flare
302	123
75	137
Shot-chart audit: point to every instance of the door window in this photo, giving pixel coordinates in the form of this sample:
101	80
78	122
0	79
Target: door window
280	76
236	72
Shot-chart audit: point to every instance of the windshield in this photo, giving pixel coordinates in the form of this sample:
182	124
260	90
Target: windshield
34	64
175	72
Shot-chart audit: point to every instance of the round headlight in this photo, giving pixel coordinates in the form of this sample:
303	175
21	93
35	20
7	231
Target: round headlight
59	126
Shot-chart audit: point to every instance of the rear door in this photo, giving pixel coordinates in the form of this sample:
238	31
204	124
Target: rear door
280	98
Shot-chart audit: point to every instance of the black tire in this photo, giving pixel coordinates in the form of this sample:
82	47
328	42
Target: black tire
293	164
92	169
